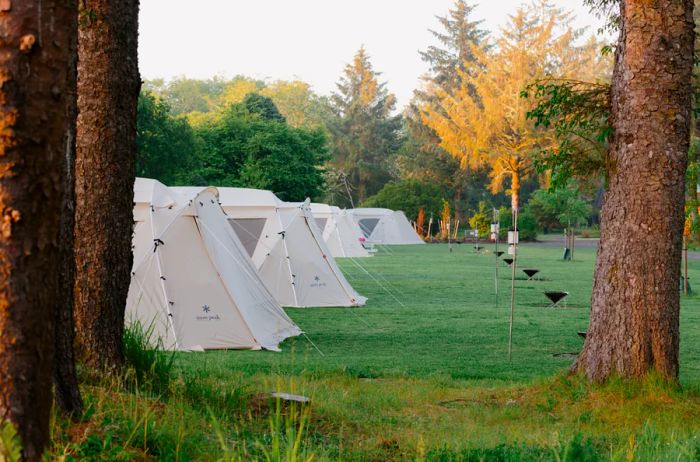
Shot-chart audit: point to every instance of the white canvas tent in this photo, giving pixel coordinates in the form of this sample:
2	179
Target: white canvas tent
384	226
340	232
192	282
286	247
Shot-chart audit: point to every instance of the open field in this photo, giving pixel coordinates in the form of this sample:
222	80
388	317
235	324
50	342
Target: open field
446	325
426	375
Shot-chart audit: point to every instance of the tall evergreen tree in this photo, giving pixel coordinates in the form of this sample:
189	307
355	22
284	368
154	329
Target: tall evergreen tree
108	90
365	133
455	54
456	50
634	326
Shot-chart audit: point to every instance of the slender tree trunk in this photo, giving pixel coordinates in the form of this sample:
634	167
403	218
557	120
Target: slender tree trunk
635	303
65	378
108	88
361	186
515	191
37	52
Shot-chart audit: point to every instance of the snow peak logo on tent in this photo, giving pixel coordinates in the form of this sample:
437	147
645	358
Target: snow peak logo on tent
208	317
317	282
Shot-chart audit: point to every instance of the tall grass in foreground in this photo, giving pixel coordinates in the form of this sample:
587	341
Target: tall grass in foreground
150	366
152	411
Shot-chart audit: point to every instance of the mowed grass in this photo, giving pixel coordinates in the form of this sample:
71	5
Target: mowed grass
422	372
433	314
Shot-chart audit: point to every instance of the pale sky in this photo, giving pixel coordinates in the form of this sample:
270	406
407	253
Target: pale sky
311	40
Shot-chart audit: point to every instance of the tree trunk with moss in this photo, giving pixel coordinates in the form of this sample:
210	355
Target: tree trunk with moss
634	327
108	88
35	81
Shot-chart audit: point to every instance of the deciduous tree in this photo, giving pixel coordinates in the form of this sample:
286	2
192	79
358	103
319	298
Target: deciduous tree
484	119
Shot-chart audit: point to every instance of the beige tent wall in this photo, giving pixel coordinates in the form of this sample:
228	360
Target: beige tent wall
291	256
340	233
384	226
193	283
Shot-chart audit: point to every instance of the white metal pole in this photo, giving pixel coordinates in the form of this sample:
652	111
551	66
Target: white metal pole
512	284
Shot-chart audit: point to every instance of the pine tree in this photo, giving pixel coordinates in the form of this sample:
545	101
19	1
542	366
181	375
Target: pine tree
634	326
365	133
455	54
108	90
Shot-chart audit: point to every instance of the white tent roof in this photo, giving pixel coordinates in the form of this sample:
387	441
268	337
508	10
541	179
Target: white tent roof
192	282
287	248
384	226
341	233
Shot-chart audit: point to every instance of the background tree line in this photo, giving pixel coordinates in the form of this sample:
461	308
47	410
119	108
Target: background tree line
465	136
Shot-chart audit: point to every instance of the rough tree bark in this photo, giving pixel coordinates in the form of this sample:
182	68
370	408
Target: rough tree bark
108	88
635	305
35	75
65	379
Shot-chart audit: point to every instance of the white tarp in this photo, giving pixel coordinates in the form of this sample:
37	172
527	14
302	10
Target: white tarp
286	247
384	226
192	282
340	232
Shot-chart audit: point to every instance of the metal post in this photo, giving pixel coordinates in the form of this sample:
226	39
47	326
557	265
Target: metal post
496	221
685	265
512	285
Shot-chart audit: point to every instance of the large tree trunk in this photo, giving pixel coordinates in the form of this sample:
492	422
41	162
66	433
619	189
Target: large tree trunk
635	304
108	88
35	80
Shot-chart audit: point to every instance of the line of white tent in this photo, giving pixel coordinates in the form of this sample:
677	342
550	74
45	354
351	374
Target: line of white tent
384	226
212	266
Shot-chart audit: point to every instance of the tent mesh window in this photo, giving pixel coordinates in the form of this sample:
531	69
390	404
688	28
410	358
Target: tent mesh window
248	231
367	225
321	223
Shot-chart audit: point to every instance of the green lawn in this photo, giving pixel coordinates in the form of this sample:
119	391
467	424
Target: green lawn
423	378
447	324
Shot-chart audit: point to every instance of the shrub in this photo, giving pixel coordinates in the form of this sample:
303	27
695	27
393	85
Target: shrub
481	221
527	226
409	196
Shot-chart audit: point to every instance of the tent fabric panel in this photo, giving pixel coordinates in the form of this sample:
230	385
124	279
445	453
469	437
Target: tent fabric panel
269	323
319	281
146	305
203	312
350	234
277	276
394	229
